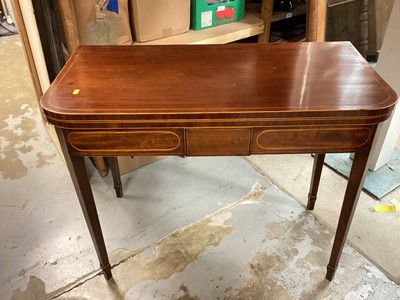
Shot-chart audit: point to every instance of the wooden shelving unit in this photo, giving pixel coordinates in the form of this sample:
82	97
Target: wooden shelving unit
251	25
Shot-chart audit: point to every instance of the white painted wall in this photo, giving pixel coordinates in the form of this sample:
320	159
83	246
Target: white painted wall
388	67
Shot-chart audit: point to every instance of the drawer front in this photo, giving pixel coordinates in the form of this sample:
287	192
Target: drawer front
219	141
309	140
127	142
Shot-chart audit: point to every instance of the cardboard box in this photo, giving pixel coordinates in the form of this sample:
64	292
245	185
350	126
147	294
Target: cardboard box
210	13
114	29
130	163
155	19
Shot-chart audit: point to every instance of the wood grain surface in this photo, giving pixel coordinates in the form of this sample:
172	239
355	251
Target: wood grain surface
190	85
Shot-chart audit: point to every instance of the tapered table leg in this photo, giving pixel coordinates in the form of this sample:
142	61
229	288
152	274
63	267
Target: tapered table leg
77	169
354	187
113	162
315	179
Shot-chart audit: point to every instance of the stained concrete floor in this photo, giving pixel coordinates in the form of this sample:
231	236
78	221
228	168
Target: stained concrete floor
187	228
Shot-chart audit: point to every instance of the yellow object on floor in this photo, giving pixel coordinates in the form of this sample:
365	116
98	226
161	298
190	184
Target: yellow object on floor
387	208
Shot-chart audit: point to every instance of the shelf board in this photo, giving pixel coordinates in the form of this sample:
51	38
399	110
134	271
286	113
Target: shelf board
251	25
300	9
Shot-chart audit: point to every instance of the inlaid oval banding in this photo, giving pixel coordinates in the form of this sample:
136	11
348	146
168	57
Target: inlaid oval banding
127	142
310	140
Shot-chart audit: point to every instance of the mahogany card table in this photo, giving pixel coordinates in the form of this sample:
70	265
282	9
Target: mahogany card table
201	100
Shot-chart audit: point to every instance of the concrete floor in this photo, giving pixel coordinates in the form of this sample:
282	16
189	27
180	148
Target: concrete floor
186	228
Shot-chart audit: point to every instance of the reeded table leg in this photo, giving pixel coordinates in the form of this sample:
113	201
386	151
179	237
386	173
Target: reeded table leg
77	169
354	187
113	162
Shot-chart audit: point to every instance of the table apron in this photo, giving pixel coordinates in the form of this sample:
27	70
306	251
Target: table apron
219	140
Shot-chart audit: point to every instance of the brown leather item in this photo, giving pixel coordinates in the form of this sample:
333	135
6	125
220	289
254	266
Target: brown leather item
237	99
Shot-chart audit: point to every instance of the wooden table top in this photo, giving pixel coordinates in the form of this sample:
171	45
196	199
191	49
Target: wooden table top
320	80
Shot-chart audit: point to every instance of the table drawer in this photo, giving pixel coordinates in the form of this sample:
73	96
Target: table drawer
127	142
218	141
294	140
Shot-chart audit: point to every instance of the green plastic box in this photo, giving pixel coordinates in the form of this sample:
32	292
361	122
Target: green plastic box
211	13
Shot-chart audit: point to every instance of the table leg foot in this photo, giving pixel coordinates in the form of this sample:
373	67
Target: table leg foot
311	201
107	272
330	273
118	190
